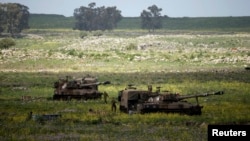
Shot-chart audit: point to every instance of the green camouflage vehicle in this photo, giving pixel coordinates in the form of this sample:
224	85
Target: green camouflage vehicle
82	88
146	101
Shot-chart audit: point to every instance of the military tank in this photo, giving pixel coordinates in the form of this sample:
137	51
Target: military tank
81	88
146	101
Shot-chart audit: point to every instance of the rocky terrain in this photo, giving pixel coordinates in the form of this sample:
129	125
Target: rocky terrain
34	52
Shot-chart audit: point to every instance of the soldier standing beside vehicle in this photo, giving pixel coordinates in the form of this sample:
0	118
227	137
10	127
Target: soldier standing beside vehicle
113	105
105	96
150	88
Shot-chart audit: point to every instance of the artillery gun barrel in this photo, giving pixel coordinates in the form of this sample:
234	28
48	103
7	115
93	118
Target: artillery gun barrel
200	95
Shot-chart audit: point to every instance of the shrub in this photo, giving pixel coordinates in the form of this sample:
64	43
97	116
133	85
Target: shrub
131	46
72	52
80	55
97	33
83	34
6	43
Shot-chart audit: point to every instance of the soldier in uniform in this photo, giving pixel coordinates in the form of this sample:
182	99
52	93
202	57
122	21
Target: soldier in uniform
29	117
105	96
150	88
113	105
158	89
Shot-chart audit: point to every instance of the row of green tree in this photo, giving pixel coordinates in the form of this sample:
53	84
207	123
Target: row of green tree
102	18
96	18
14	18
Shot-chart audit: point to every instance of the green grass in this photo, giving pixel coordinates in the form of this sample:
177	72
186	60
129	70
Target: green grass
78	124
187	62
59	49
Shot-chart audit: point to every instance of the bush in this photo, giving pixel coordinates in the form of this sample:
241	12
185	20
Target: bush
6	43
131	46
83	34
97	33
72	52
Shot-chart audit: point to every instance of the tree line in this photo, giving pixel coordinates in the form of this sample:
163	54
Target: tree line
96	18
14	18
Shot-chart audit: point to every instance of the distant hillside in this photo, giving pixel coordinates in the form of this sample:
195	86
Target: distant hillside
50	21
191	23
207	23
186	23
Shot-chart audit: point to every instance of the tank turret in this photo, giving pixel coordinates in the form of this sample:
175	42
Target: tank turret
80	88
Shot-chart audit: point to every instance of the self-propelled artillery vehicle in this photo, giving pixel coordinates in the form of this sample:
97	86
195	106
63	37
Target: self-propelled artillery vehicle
146	101
82	88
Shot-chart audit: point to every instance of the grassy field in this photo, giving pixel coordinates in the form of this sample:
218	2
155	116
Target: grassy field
187	62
